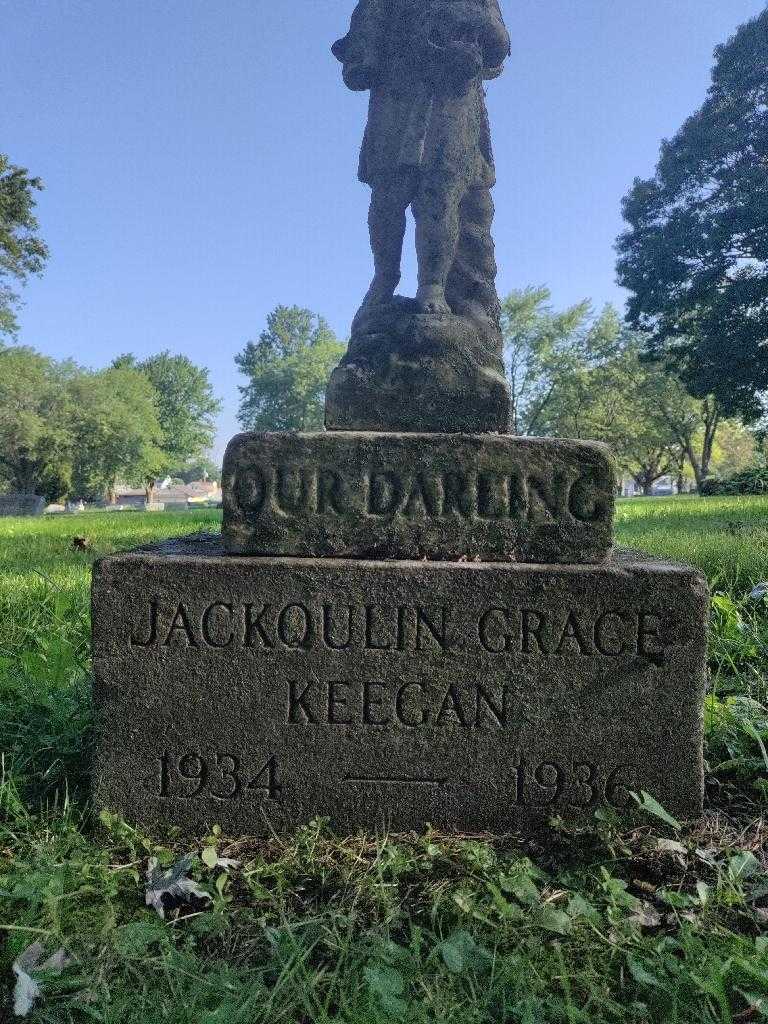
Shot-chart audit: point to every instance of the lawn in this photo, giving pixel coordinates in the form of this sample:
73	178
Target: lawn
656	923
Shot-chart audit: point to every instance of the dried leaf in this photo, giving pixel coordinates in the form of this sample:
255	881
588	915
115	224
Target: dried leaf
646	916
671	846
27	989
708	854
209	856
172	882
212	860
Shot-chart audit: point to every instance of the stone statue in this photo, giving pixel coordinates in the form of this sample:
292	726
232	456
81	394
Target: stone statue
427	146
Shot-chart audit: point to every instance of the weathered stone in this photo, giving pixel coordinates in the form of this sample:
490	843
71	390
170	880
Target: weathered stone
259	693
427	145
407	371
437	496
17	504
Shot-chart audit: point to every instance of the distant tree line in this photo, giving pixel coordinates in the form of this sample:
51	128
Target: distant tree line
576	374
572	374
287	370
68	431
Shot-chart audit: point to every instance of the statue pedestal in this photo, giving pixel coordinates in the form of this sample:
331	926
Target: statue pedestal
350	494
259	693
407	371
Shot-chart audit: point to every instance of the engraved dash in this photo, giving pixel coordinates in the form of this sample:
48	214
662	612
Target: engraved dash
395	780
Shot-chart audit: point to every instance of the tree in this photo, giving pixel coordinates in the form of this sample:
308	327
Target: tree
186	407
695	255
116	431
288	370
658	411
35	435
692	422
577	375
736	449
22	252
613	397
541	349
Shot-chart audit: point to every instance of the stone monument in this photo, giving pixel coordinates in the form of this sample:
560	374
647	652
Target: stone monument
412	617
21	504
433	363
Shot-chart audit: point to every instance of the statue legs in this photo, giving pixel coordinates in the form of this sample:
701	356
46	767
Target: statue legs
471	287
386	222
453	243
436	211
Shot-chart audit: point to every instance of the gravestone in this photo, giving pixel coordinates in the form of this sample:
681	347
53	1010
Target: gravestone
413	617
260	692
18	504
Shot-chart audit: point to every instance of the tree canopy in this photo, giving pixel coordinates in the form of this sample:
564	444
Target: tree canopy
542	348
116	432
695	254
35	442
287	371
574	374
22	252
68	431
186	407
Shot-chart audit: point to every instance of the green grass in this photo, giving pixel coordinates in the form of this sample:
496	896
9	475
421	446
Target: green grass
589	925
726	537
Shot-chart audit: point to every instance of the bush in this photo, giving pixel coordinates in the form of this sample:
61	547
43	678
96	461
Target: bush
750	481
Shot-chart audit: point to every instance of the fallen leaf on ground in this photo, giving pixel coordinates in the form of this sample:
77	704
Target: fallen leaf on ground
646	916
211	859
27	990
172	882
671	846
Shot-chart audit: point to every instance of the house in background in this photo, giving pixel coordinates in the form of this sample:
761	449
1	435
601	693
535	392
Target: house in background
664	487
174	497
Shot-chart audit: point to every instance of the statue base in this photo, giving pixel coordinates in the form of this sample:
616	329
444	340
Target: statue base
350	494
417	372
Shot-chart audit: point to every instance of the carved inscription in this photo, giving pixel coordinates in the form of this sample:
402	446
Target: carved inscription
497	630
579	784
226	777
408	704
381	493
259	692
215	775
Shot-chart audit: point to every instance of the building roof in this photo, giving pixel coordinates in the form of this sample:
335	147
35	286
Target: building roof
196	490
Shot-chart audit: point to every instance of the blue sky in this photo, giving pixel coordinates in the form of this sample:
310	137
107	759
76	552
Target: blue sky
200	159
